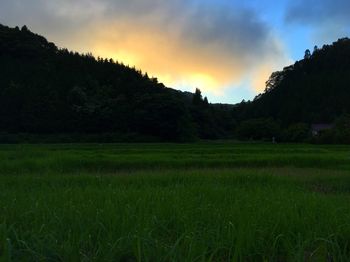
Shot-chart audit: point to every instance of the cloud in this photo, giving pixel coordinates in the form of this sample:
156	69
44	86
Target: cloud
327	19
318	12
213	45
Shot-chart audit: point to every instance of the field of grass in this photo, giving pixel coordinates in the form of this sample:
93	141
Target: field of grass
174	202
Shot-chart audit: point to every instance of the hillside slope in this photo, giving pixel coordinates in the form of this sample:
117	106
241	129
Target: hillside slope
313	90
46	90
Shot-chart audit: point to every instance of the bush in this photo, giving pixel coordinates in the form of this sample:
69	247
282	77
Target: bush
296	133
258	129
342	130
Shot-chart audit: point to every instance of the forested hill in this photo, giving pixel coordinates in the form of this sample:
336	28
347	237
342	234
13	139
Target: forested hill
47	90
313	90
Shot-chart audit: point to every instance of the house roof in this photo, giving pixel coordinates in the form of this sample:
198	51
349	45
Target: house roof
320	127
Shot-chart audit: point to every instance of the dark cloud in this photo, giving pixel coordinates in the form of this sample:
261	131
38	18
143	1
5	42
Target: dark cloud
217	39
216	26
325	21
318	12
237	31
200	22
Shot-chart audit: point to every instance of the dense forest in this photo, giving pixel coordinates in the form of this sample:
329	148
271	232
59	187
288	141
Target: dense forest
59	95
315	90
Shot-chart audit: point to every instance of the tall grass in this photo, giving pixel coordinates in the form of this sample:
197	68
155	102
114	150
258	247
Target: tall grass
154	202
24	159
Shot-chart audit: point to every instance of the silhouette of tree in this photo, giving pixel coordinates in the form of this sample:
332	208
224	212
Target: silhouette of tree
307	54
25	29
197	97
206	101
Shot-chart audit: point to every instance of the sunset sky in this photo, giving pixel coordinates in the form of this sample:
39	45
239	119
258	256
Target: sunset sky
227	48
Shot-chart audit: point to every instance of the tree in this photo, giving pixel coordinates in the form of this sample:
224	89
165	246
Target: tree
342	129
24	29
274	80
197	97
297	133
206	101
307	54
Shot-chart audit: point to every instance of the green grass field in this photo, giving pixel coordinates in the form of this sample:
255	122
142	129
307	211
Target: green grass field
169	202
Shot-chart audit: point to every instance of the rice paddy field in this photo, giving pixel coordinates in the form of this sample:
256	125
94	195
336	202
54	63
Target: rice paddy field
174	202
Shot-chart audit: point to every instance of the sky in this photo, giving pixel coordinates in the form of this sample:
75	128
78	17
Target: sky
227	48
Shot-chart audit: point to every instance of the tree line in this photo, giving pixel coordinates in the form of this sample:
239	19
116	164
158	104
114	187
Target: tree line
60	95
314	90
45	90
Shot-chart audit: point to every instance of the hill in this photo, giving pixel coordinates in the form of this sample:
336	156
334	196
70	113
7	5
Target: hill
47	90
66	96
314	90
